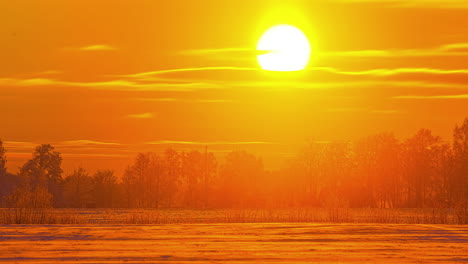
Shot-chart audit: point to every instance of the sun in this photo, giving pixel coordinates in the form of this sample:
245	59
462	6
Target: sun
287	49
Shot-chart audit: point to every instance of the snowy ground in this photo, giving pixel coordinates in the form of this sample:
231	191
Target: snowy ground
234	243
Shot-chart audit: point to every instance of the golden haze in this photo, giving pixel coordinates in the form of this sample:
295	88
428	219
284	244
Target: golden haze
105	80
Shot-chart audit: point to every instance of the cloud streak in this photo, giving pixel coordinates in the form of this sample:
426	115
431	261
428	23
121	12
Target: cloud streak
98	47
221	51
81	142
173	142
454	49
162	72
171	99
238	77
111	85
19	145
388	72
454	96
414	3
363	110
141	116
24	149
225	54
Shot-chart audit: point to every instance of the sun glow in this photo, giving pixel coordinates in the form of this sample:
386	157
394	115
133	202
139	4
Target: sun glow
287	49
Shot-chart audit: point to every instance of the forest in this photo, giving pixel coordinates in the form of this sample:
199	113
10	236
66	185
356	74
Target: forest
377	171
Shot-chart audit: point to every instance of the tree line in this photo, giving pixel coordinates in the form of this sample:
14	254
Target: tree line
375	171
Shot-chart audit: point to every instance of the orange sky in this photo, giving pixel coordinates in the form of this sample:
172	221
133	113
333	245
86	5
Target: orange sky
103	80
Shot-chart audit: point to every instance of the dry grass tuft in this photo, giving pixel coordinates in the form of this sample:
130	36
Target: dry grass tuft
28	215
29	207
461	213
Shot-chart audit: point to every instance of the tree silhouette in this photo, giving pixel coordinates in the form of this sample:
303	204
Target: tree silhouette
459	182
197	176
78	189
44	170
105	188
377	159
4	181
422	152
171	176
375	171
241	177
141	181
45	165
3	160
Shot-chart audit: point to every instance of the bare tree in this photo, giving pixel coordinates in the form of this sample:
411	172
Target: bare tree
197	175
3	160
420	162
377	160
78	189
241	178
459	182
145	181
105	188
3	172
169	181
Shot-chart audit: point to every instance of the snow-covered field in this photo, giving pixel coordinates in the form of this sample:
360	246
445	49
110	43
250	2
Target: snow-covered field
234	243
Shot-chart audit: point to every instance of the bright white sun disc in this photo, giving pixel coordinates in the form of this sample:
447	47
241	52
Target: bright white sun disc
287	49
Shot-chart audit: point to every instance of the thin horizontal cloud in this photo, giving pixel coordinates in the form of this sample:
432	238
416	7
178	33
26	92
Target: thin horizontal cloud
365	110
165	99
218	51
162	72
225	54
98	47
27	82
387	72
18	144
88	142
202	79
19	150
285	85
232	80
455	96
170	99
141	116
94	155
89	146
386	112
26	155
414	3
173	142
453	78
15	145
213	101
123	85
454	49
344	109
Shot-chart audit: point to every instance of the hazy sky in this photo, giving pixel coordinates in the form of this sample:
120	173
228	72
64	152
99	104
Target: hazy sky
103	80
